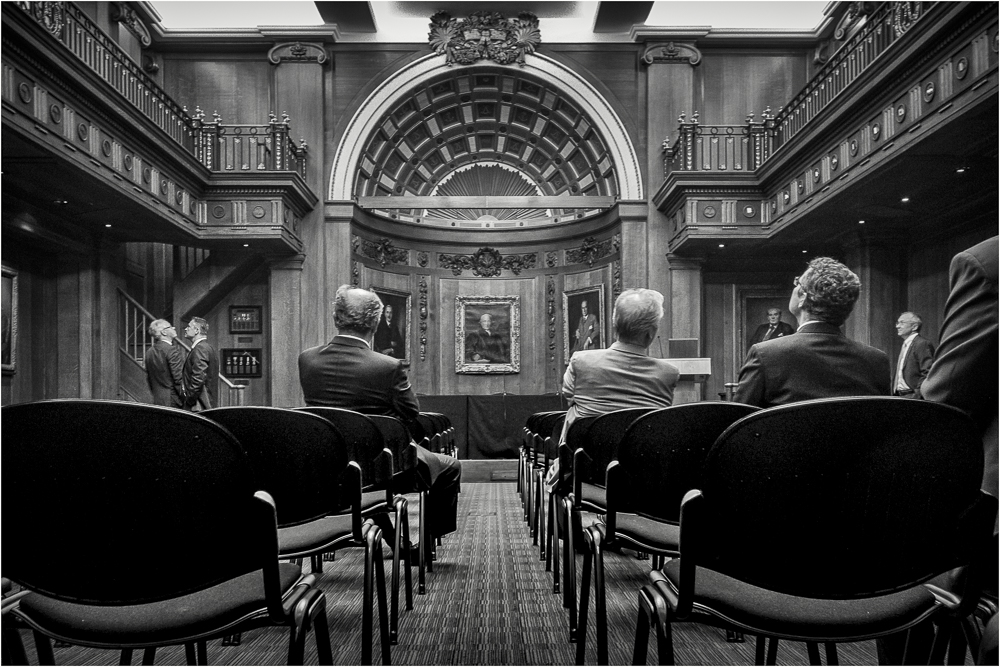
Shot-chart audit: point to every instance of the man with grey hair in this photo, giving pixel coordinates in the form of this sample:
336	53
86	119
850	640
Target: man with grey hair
915	357
819	361
348	373
623	375
201	369
164	364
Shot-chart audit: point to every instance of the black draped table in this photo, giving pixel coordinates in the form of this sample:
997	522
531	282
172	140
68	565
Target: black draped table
489	427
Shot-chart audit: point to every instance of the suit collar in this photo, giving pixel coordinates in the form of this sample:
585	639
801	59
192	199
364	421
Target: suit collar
350	341
629	348
821	328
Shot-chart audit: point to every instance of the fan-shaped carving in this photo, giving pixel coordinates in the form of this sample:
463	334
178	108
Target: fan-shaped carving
489	180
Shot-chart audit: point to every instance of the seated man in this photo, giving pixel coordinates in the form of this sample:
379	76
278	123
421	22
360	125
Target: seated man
348	374
623	375
819	361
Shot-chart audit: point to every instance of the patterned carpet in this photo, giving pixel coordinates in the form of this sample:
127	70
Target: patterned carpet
488	602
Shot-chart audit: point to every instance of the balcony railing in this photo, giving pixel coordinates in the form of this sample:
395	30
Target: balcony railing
719	148
736	148
135	321
236	148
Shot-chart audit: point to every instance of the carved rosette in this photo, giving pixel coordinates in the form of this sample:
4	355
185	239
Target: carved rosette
484	36
422	259
422	305
551	259
487	262
672	52
297	52
592	250
383	251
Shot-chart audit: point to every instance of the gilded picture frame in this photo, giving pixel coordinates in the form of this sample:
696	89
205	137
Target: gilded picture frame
487	346
593	323
392	337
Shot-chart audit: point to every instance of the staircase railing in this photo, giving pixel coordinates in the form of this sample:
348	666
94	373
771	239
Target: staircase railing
135	321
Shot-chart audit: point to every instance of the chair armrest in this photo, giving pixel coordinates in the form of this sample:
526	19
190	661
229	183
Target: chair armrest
580	464
352	489
688	544
614	479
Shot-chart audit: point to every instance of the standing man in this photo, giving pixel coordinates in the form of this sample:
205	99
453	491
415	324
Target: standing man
774	328
201	368
348	373
915	358
388	339
819	361
486	346
588	333
164	364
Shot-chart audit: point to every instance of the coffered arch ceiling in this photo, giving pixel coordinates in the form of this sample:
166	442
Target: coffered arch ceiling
524	136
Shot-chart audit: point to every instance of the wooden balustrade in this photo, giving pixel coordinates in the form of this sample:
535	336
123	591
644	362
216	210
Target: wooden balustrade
719	148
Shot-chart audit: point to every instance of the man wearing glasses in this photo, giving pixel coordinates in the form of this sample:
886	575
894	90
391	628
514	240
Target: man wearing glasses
819	361
164	364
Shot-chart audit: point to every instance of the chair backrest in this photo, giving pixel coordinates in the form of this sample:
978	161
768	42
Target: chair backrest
601	442
430	430
552	438
297	457
152	502
397	440
544	427
661	456
575	436
841	498
363	440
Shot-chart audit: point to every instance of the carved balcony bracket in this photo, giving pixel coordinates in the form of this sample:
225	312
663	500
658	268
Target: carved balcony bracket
592	250
297	52
124	14
487	262
382	251
674	53
484	36
856	11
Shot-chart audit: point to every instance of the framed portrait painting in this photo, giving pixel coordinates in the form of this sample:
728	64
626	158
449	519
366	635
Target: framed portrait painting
583	320
764	315
392	335
487	334
8	303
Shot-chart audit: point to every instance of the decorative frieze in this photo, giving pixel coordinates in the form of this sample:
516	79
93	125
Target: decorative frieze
487	262
382	251
592	250
484	36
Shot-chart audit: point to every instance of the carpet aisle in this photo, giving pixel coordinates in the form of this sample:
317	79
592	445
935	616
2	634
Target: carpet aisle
488	602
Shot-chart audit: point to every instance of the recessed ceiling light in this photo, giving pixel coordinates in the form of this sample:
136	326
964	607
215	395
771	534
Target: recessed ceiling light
804	251
905	199
861	222
59	202
722	245
960	170
246	245
107	225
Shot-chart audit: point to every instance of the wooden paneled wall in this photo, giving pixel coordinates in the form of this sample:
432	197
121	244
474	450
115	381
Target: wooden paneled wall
732	83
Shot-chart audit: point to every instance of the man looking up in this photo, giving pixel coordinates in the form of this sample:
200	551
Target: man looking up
819	361
915	358
348	373
201	368
164	364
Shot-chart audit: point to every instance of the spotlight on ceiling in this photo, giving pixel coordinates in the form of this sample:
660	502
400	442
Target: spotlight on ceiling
722	245
905	199
108	225
246	245
861	222
961	170
60	202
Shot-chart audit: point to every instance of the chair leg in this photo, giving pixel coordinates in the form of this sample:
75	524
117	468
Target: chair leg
421	522
541	533
760	648
394	582
831	654
812	648
548	533
939	649
569	573
317	563
383	611
581	630
642	623
124	659
772	651
536	501
13	652
202	652
407	563
189	655
149	656
321	630
367	601
554	551
956	649
44	649
596	546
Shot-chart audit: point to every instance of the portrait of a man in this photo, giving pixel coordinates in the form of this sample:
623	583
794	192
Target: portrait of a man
390	336
583	319
487	335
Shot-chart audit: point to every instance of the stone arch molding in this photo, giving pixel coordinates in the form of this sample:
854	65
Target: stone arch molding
400	84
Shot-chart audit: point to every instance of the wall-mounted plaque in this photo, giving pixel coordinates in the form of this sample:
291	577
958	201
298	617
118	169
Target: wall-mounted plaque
242	362
246	319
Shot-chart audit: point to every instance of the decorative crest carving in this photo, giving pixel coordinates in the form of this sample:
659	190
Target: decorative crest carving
672	52
551	258
299	52
484	36
52	15
422	259
127	17
384	252
591	251
852	17
487	262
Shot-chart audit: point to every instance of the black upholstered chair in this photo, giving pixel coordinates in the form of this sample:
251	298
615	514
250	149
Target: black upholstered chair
109	478
550	455
658	459
536	427
820	521
366	447
303	462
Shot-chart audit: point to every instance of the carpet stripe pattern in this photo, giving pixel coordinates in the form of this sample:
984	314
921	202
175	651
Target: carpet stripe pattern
488	602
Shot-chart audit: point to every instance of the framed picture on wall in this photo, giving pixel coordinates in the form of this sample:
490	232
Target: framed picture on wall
487	334
583	320
761	307
392	336
8	303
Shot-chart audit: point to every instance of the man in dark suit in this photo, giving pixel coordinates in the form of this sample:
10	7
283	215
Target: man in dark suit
486	346
201	369
164	364
819	361
915	357
773	328
348	373
588	333
388	339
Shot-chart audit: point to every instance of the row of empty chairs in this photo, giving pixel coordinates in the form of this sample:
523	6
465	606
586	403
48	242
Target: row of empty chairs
818	522
178	522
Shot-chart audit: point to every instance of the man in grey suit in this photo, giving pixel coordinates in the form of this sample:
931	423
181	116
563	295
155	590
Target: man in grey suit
819	361
164	363
201	369
915	357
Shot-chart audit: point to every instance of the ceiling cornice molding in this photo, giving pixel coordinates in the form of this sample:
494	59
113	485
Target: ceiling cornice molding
259	37
762	37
